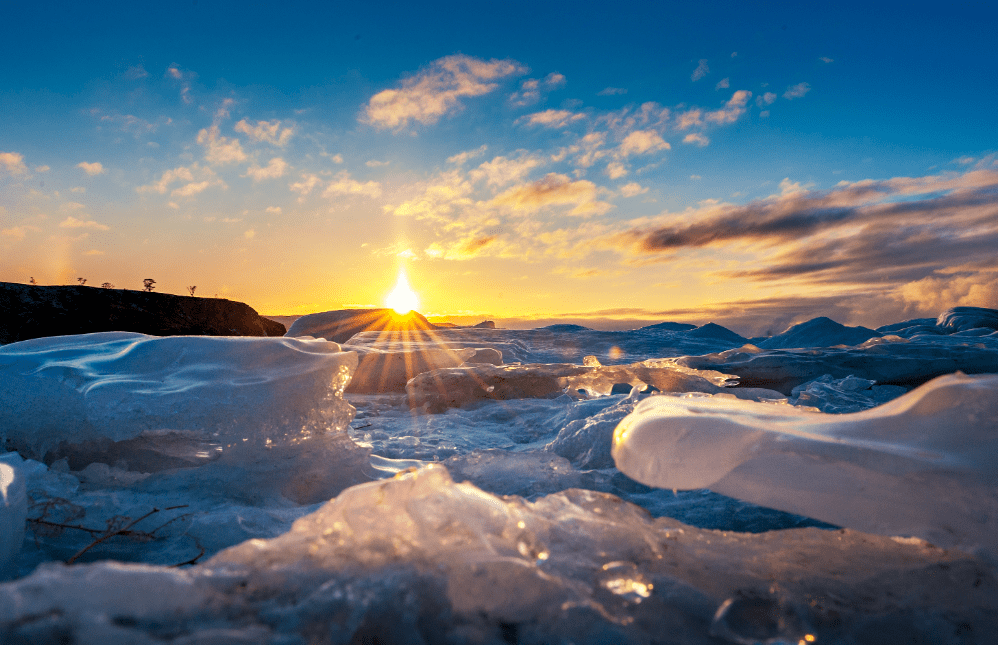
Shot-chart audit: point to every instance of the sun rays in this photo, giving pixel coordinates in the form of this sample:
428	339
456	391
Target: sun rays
402	299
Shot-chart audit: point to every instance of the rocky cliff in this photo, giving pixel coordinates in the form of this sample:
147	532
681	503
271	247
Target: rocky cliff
28	311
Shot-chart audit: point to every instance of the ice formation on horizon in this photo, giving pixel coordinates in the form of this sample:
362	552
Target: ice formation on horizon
921	465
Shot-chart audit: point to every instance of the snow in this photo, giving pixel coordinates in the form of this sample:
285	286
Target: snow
311	500
13	511
921	465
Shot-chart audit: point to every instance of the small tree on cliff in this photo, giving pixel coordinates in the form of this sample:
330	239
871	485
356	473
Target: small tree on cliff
107	285
82	281
191	289
147	284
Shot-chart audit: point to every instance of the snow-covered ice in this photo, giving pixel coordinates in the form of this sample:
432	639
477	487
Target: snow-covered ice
304	506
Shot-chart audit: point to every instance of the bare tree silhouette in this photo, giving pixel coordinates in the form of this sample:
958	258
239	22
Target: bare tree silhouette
82	281
31	280
191	289
147	284
107	285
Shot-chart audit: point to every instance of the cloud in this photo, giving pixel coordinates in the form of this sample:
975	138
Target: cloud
218	149
17	233
250	234
437	91
12	163
167	178
72	222
344	185
91	169
551	118
39	168
174	72
633	189
134	73
765	99
462	157
274	210
269	131
530	89
797	91
826	59
615	170
553	190
198	179
689	118
723	83
908	237
611	91
77	189
274	169
501	170
734	108
462	249
701	70
696	137
373	163
641	142
337	158
305	186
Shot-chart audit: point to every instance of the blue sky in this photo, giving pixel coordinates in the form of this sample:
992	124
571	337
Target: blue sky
529	162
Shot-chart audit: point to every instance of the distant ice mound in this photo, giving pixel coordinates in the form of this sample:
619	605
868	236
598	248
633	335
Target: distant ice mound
341	324
115	386
921	465
819	332
960	319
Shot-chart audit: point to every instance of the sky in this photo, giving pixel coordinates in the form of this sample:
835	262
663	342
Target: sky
607	164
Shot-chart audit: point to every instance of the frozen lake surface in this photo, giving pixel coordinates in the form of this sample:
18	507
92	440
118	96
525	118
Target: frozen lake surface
667	484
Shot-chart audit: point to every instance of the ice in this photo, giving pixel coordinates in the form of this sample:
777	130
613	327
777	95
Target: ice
420	558
819	332
921	465
960	319
404	523
386	371
888	361
13	511
441	389
116	386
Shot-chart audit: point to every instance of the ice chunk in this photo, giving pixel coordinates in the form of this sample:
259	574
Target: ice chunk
420	558
116	386
849	394
908	364
388	371
13	511
445	388
964	318
923	464
819	332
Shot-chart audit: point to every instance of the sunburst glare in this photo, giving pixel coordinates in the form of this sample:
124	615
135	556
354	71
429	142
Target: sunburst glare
402	299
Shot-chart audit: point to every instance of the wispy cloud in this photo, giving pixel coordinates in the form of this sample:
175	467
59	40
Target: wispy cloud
72	222
765	99
723	83
734	108
826	59
197	180
12	163
530	89
698	138
611	91
437	90
551	118
797	91
218	149
502	170
701	70
91	169
641	142
344	185
267	131
553	190
633	189
274	169
462	157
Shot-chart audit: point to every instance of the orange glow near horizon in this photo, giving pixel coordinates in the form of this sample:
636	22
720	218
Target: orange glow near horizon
402	299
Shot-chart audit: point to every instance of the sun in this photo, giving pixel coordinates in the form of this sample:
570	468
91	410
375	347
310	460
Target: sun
402	299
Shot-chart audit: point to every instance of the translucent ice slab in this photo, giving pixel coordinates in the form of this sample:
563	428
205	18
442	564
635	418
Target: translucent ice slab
921	465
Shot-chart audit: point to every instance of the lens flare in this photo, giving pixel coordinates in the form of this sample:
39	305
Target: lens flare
402	299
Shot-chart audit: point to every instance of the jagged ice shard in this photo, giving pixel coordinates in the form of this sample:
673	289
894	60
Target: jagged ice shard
921	465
